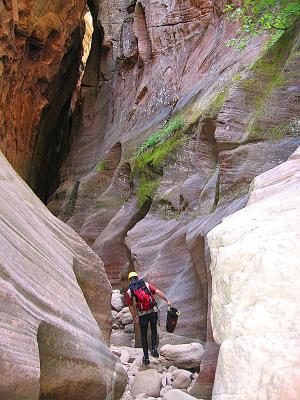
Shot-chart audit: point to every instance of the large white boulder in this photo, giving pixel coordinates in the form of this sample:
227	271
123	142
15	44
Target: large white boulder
256	291
182	355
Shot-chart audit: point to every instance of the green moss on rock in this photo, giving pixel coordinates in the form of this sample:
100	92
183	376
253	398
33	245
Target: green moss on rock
265	76
101	166
150	157
147	189
161	134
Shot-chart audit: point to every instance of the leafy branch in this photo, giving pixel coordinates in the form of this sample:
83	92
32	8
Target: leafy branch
258	16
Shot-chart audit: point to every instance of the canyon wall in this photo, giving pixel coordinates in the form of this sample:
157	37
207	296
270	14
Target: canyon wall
255	299
172	134
55	305
40	57
170	128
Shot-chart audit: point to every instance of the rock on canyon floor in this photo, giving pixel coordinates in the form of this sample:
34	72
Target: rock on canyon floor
171	376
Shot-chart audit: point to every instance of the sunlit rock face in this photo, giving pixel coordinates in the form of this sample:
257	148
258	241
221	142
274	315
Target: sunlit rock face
255	299
55	317
40	49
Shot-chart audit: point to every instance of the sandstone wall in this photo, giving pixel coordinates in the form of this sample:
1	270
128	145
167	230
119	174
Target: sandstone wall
40	54
255	299
55	305
161	61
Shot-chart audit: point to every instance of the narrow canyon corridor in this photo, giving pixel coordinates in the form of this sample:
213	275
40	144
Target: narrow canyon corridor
160	137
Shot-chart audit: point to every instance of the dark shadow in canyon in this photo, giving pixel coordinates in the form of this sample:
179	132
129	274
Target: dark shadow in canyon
61	120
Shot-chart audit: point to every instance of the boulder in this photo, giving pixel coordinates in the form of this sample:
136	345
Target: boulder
256	303
181	379
127	320
117	301
182	355
124	316
148	382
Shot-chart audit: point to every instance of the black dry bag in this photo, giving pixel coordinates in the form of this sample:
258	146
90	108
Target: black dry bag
172	317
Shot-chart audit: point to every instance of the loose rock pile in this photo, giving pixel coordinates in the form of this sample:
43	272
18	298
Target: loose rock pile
155	380
123	327
166	378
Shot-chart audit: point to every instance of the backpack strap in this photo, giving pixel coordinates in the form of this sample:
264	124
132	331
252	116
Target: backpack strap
151	294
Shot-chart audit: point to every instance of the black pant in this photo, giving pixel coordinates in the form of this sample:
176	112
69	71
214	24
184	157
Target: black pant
144	321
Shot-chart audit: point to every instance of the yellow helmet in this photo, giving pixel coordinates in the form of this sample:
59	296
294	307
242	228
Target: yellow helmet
132	274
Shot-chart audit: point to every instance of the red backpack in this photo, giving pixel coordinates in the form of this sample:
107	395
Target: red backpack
144	298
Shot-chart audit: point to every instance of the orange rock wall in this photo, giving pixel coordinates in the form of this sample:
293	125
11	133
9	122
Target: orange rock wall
34	37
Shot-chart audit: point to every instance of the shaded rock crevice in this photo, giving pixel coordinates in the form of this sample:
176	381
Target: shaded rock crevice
53	135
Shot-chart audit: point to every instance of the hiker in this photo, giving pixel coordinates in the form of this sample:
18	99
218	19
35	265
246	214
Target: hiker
145	311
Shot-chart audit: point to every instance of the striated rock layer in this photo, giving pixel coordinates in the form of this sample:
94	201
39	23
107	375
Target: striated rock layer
227	116
55	305
40	56
255	300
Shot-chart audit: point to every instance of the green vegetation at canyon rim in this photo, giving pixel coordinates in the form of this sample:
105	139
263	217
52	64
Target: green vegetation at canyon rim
260	16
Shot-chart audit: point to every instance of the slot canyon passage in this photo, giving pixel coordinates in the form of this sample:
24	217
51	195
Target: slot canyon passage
133	138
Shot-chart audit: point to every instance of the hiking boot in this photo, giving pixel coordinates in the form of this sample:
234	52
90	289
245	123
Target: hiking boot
154	353
146	361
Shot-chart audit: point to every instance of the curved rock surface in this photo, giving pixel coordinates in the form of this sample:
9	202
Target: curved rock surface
162	60
255	302
55	305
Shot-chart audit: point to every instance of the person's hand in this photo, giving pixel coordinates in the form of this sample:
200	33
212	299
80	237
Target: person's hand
169	304
136	319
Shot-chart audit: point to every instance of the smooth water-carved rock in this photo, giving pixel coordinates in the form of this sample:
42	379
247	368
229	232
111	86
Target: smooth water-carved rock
55	305
255	265
182	355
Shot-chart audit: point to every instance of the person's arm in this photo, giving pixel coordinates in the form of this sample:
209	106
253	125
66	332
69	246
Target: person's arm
162	296
129	303
133	313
